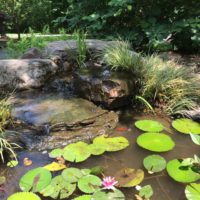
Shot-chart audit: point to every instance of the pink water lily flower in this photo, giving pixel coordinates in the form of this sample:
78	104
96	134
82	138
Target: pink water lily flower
109	183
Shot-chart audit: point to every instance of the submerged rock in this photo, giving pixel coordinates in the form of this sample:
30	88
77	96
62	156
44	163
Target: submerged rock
56	121
25	73
112	89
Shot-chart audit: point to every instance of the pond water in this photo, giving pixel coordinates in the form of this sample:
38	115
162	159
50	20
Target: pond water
164	187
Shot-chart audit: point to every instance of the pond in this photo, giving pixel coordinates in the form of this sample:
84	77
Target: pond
165	188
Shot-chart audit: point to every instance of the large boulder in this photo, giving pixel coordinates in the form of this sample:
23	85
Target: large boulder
25	73
51	120
32	53
112	89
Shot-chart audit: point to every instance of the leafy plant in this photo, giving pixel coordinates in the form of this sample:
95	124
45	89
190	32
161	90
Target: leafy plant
149	125
54	166
154	163
186	126
35	180
56	153
114	195
195	138
175	170
145	102
129	177
12	163
24	195
146	192
83	197
157	142
192	191
80	37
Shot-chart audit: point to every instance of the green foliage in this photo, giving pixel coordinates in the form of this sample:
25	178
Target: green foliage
186	126
80	37
157	142
145	102
35	180
149	125
154	163
56	153
195	138
181	174
192	191
111	195
83	197
12	163
146	192
24	195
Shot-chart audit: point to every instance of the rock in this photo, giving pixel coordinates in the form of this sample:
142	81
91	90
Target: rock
25	73
55	121
32	53
194	114
112	89
67	67
69	48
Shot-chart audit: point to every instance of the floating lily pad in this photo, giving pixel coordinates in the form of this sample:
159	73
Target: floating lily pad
192	191
23	195
114	195
89	184
149	125
35	180
76	152
54	166
96	149
154	163
59	188
56	153
129	177
111	144
181	175
72	175
195	138
146	192
186	126
84	197
157	142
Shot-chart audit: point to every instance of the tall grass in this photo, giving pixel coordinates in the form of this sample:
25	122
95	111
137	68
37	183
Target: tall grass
159	82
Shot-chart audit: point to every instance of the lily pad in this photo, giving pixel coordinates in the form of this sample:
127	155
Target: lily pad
186	126
114	195
89	184
195	138
76	152
149	125
192	191
23	195
35	180
72	175
129	177
84	197
146	192
157	142
54	166
111	144
96	149
56	153
181	175
59	188
154	163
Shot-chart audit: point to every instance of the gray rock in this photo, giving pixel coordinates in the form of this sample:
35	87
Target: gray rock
112	89
50	121
25	73
32	53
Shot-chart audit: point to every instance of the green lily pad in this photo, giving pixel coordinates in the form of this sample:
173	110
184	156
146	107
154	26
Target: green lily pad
146	192
154	163
72	175
149	125
185	176
96	149
114	195
111	144
157	142
35	180
84	197
89	184
59	188
76	152
12	163
98	170
129	177
186	126
192	191
24	195
195	138
56	153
